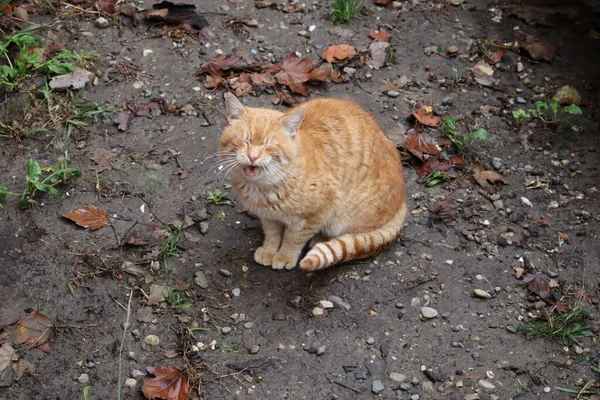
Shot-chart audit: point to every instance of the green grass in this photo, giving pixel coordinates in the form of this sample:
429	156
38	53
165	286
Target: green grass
570	325
42	180
343	11
178	298
168	246
548	113
461	141
216	196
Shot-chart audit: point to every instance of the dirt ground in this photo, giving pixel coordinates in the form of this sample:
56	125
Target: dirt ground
472	349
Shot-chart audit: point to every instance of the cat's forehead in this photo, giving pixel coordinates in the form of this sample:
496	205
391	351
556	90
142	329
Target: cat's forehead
260	127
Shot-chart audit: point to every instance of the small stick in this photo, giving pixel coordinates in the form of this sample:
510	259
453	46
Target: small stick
347	387
125	326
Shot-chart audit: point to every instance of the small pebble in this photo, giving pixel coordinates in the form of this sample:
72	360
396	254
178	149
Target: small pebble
377	387
152	340
317	311
225	330
249	325
371	341
397	377
201	280
225	272
137	374
101	23
487	385
393	93
481	294
130	382
429	312
235	292
339	302
254	349
83	378
452	50
326	304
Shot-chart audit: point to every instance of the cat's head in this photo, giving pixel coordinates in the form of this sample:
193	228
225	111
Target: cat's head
259	144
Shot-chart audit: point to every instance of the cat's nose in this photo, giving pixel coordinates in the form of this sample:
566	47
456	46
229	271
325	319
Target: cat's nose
253	157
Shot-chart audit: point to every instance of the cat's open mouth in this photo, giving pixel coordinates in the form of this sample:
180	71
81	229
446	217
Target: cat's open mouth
251	171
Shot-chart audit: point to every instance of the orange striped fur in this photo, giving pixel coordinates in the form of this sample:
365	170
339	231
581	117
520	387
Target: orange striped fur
324	167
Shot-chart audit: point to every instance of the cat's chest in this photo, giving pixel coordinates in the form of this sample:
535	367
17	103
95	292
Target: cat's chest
272	203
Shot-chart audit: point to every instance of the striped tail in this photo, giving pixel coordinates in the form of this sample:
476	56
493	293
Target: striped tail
353	246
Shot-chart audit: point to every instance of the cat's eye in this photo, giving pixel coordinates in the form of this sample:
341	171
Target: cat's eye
247	143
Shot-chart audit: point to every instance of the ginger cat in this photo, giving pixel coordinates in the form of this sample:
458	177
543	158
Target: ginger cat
323	169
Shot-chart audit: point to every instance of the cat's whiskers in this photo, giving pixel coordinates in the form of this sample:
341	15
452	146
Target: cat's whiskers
225	165
227	171
220	163
219	154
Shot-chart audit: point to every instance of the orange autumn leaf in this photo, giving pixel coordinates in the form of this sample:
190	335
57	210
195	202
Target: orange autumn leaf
296	72
382	35
169	383
424	114
419	144
93	218
338	52
32	330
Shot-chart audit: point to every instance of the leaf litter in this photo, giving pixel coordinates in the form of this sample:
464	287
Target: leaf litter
32	330
93	218
169	383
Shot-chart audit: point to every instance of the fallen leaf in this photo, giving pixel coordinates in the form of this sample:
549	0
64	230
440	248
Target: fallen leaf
382	35
93	218
482	73
420	144
424	114
543	222
395	84
381	2
338	52
106	159
539	50
539	284
265	79
123	120
213	81
378	54
175	14
169	383
241	88
431	165
220	63
157	294
567	95
32	330
35	235
495	57
295	72
151	108
76	80
488	178
107	7
445	209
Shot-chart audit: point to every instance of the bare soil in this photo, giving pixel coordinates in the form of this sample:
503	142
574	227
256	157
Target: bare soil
165	176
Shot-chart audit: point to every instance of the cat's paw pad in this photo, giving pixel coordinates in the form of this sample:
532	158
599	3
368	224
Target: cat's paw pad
310	263
281	261
263	256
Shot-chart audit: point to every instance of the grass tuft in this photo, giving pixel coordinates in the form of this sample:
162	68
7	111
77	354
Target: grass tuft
343	11
570	325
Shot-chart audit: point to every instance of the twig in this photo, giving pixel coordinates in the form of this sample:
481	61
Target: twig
347	387
125	326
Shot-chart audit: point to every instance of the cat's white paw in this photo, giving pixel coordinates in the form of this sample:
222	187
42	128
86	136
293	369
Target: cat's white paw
281	261
263	256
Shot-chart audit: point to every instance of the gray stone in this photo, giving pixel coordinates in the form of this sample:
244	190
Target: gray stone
407	387
512	329
371	341
447	101
204	228
377	387
521	100
137	374
452	49
393	93
101	23
201	280
349	71
225	272
295	301
496	163
249	325
397	377
499	204
321	350
487	385
83	378
225	330
235	292
429	312
130	382
415	302
415	397
339	302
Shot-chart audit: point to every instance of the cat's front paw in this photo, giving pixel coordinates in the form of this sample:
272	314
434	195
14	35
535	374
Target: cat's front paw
281	261
263	256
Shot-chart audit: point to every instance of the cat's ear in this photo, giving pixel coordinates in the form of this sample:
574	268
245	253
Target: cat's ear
235	109
291	123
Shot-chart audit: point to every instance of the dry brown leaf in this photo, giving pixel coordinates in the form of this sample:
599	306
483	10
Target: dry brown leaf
32	330
169	383
213	81
106	159
241	88
295	72
395	84
382	35
265	79
420	144
381	2
93	218
338	52
378	54
220	63
540	285
539	50
175	14
496	57
424	114
487	178
122	120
